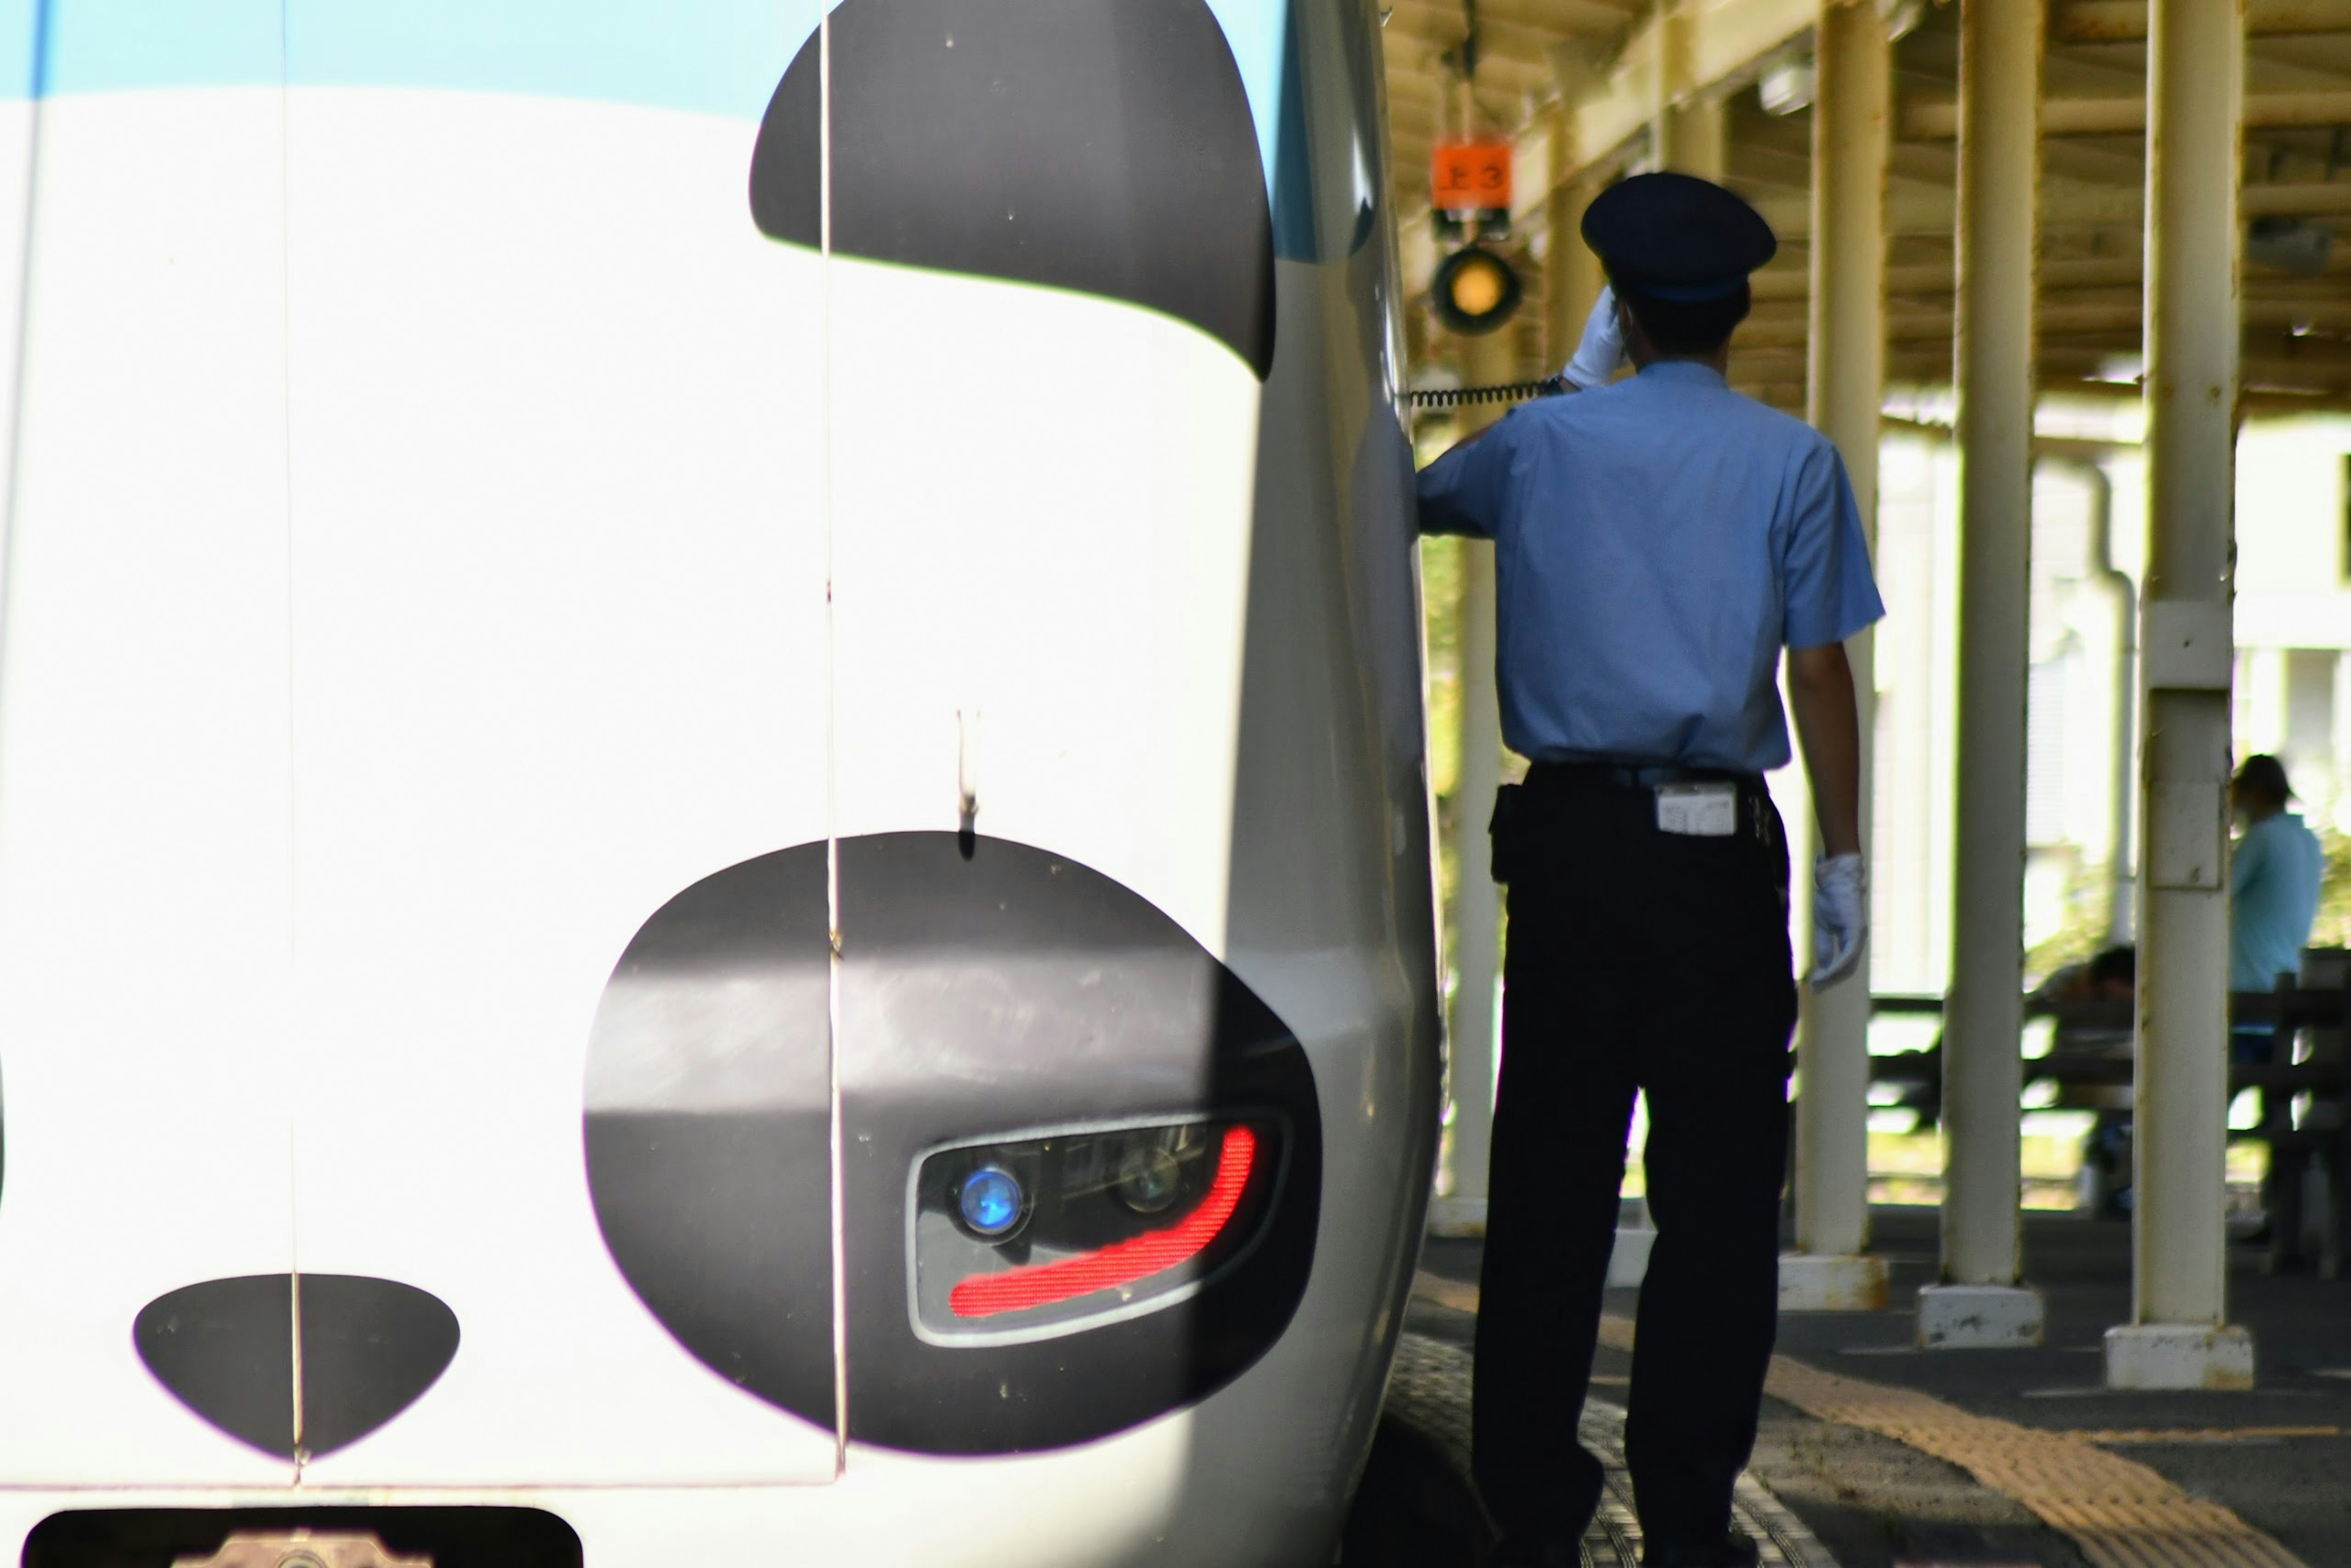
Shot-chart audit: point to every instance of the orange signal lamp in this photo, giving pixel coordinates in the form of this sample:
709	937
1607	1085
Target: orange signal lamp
1475	291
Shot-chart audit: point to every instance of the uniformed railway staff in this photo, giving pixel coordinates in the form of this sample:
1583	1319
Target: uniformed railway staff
1658	541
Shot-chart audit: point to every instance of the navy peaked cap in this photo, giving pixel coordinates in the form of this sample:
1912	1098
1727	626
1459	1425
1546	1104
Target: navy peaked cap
1676	236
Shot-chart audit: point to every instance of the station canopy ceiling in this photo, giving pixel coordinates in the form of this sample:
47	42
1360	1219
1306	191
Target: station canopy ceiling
1576	84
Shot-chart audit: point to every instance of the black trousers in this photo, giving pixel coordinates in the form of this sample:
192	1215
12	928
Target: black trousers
1638	959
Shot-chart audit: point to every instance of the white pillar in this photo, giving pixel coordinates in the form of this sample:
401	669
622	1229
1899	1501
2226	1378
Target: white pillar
1685	134
1980	1300
1667	30
1844	375
1571	274
1696	139
1477	902
2178	1337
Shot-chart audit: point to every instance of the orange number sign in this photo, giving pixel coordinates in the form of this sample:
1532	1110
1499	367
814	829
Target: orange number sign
1470	176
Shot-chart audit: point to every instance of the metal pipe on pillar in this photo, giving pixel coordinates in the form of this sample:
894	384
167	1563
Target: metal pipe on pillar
1981	1300
2122	896
1844	372
2179	1336
2123	594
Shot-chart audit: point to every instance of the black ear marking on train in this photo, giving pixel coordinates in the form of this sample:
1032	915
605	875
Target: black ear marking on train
1105	146
370	1350
223	1348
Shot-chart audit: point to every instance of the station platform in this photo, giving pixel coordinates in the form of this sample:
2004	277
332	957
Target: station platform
1873	1454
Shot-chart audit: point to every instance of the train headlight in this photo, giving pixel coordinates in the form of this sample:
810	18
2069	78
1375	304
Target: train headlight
1475	291
1038	1235
991	1203
1149	1179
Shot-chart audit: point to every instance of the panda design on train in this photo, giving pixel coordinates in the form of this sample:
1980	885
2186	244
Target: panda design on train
713	833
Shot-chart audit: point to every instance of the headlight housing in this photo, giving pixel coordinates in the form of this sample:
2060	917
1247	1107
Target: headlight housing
1110	1221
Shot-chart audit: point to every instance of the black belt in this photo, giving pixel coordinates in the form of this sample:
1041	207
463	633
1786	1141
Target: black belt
1631	774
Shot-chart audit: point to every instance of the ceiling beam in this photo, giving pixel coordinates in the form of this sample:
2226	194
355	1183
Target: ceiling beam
1497	70
2065	205
2054	319
1786	392
2126	115
2125	21
1914	362
1711	48
1593	17
2104	276
1447	26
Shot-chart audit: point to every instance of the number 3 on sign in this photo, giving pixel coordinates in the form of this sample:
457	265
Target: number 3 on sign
1470	175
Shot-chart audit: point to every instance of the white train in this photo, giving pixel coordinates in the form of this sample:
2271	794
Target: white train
712	842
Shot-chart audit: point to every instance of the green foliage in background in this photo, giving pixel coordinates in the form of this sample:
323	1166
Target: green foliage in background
2083	932
2082	935
2333	926
1441	594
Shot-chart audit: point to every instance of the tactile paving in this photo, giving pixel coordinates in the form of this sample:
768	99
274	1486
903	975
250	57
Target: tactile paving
2119	1512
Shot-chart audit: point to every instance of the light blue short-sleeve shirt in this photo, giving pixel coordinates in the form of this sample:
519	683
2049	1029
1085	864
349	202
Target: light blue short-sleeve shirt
1657	543
2273	885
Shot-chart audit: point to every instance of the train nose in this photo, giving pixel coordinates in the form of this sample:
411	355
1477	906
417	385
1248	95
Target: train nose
225	1349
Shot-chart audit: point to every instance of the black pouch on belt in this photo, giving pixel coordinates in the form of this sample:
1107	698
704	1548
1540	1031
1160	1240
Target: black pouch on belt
1503	830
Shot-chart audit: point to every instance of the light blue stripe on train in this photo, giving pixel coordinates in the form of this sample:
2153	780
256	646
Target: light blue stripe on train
708	57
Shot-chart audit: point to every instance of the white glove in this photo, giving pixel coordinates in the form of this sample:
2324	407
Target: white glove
1598	357
1840	917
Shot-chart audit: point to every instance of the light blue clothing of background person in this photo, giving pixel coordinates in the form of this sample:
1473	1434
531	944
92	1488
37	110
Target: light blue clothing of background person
1657	543
2273	880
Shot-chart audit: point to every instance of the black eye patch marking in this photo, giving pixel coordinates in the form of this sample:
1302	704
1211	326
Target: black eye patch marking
1104	146
1022	989
980	995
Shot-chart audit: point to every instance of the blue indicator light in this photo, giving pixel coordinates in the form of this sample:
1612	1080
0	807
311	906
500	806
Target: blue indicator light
990	1201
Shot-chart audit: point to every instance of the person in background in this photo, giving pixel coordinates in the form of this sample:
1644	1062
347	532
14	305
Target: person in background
2273	879
2108	983
2111	977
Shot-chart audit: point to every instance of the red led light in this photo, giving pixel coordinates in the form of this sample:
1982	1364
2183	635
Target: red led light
1124	1262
